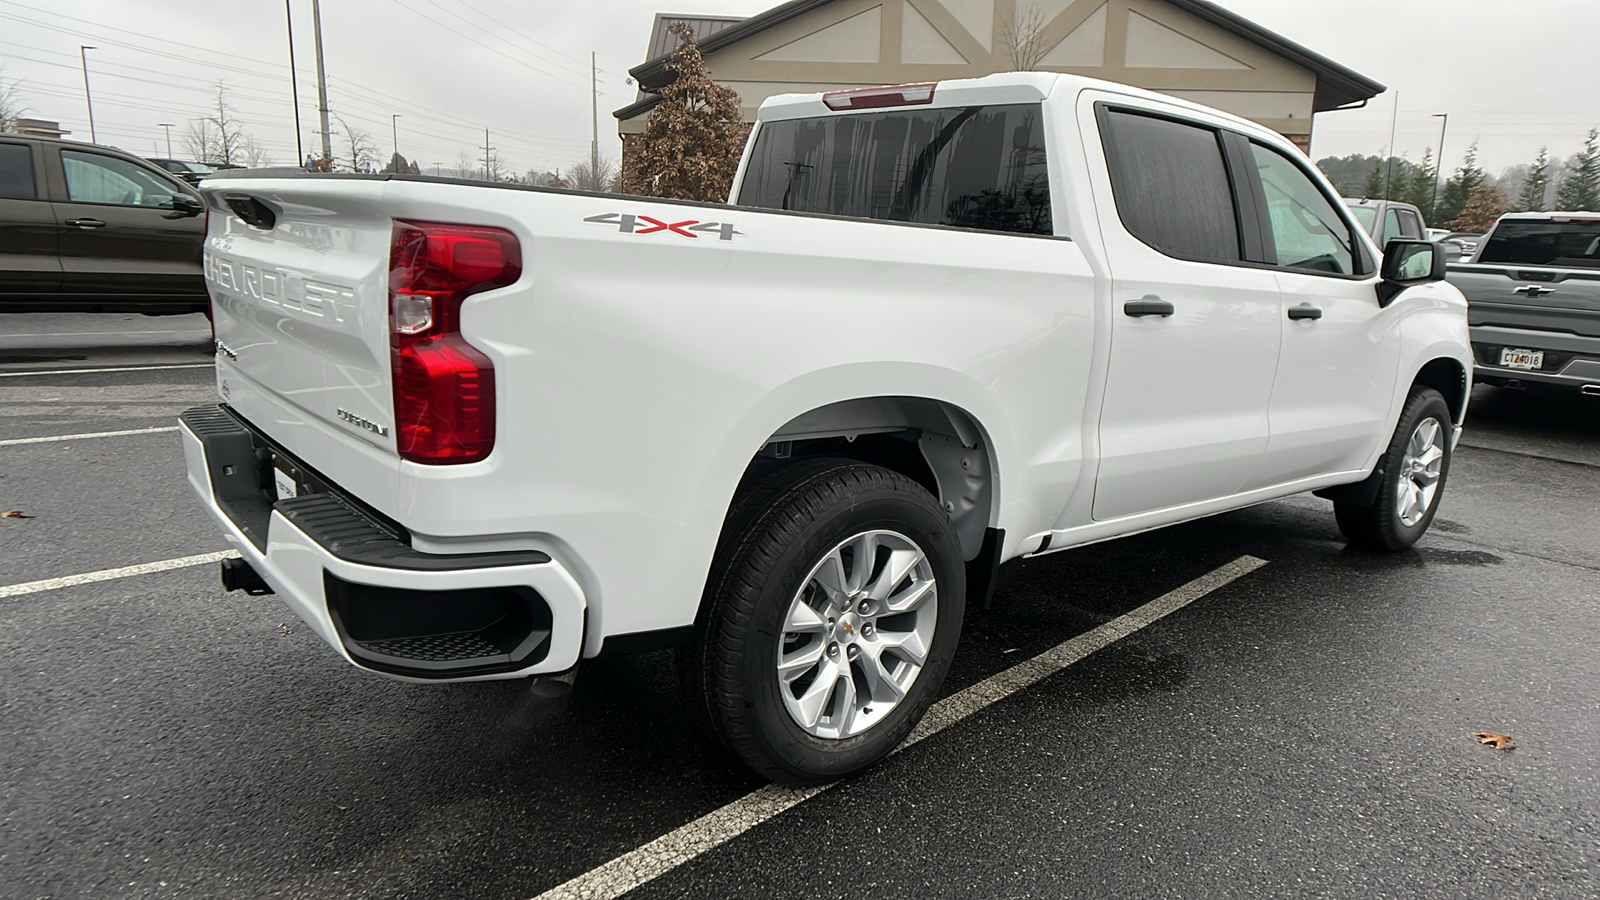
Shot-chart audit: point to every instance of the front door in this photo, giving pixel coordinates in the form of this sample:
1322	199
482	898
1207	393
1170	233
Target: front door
29	264
1194	333
1341	350
121	234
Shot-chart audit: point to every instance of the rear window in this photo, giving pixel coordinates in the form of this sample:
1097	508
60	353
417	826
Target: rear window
1171	186
975	167
16	173
1575	244
1364	215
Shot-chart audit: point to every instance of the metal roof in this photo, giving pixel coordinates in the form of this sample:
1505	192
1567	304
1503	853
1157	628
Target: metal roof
1337	85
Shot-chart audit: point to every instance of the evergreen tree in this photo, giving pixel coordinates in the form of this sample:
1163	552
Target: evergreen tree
691	146
1459	188
1419	187
1373	189
1536	185
1580	188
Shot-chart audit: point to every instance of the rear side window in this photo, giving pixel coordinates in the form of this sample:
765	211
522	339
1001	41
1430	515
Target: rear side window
16	173
1535	243
1410	225
1171	186
975	167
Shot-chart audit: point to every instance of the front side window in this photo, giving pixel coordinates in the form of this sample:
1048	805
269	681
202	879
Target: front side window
1307	232
92	178
1171	186
16	173
1391	227
974	167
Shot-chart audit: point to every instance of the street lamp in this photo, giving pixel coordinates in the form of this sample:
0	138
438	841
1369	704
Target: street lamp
394	129
1438	166
168	127
83	55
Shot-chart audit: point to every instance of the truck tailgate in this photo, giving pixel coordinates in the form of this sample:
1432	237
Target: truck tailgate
1532	297
300	308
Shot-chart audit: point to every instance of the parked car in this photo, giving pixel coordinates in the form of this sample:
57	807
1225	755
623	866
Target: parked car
89	228
1461	245
1437	234
802	442
1386	220
191	172
1534	292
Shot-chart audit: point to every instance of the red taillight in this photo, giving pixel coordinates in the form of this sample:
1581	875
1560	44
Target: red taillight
880	97
443	386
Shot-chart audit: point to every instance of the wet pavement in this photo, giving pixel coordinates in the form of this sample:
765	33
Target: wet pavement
1304	731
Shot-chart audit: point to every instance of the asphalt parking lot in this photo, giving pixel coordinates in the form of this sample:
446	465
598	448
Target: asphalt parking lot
1303	730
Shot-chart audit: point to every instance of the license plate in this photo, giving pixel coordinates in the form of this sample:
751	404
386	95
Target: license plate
284	483
1512	358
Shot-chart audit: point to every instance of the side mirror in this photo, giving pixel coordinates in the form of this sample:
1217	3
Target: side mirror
184	205
1407	263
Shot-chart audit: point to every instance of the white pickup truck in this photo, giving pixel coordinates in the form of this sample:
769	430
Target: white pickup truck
476	431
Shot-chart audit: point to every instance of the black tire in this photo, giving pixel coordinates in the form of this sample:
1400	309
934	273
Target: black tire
779	528
1378	525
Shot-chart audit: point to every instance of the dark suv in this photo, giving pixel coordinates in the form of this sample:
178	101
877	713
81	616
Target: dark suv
85	228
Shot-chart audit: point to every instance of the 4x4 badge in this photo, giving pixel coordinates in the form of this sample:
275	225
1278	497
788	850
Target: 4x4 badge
690	228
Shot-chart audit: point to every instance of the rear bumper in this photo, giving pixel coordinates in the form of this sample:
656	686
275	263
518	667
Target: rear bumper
1570	360
355	580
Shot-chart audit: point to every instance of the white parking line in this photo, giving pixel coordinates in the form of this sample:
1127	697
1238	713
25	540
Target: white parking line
716	828
107	369
50	584
12	442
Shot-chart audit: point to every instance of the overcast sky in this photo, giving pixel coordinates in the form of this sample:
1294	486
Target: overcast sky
1515	76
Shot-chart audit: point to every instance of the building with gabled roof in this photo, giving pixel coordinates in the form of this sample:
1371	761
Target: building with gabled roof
1192	49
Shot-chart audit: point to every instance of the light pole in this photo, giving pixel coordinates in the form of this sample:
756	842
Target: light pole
168	127
1438	166
83	55
394	129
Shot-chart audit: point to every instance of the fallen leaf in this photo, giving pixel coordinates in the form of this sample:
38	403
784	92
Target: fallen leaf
14	514
283	628
1497	741
341	806
400	857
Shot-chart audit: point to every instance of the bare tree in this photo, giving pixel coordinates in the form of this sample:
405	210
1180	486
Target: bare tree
11	106
198	140
219	138
607	178
253	154
467	166
1023	37
360	151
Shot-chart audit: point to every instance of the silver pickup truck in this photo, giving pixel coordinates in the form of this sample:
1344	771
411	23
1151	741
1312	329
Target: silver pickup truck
1533	292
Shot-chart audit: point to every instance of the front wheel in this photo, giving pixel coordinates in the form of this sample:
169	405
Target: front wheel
831	616
1414	471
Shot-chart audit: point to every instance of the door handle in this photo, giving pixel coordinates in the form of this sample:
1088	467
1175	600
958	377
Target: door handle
1148	306
1304	311
86	223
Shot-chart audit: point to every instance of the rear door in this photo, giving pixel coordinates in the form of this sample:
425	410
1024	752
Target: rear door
120	231
1341	351
28	258
1194	331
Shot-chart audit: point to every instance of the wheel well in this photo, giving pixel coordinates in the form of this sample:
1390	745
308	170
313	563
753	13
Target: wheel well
934	444
1449	378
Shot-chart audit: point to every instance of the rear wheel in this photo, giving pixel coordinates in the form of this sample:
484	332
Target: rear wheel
831	615
1415	467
